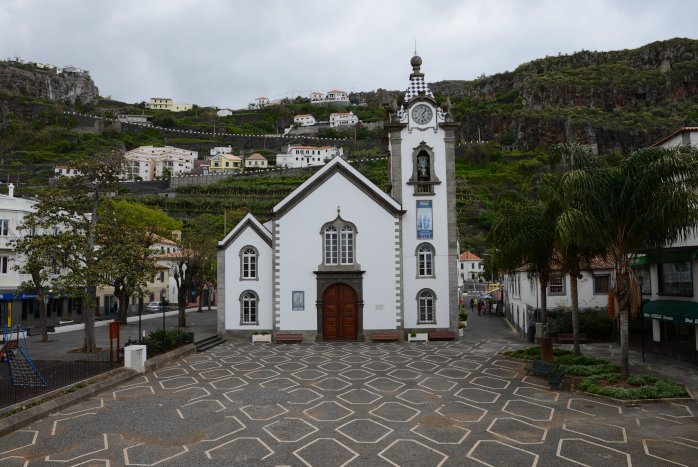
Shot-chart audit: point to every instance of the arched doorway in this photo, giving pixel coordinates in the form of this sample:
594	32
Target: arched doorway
340	316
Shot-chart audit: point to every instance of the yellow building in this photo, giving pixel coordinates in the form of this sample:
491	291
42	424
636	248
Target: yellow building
224	163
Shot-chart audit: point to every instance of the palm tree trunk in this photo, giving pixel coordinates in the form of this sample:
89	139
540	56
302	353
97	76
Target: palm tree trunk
574	296
543	307
624	344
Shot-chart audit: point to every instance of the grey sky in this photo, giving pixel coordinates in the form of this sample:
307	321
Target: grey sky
226	53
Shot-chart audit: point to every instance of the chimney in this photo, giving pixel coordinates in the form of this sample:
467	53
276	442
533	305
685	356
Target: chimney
11	190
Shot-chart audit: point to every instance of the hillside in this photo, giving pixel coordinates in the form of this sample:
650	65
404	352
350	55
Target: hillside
619	101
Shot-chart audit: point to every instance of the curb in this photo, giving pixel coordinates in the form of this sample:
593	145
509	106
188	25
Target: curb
13	422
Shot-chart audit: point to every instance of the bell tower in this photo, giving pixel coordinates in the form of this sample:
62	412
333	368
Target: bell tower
422	179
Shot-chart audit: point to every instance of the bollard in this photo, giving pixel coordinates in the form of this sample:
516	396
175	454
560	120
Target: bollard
134	357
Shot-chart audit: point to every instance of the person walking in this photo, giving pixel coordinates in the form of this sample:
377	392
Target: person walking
479	307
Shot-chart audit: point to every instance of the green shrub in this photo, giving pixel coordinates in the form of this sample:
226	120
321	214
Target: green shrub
173	338
594	322
644	387
588	370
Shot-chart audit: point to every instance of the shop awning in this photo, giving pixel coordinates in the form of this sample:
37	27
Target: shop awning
673	311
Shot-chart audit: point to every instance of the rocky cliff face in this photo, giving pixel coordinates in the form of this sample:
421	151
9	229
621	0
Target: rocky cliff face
72	88
620	101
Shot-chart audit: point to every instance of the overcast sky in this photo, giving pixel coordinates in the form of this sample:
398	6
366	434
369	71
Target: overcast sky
226	53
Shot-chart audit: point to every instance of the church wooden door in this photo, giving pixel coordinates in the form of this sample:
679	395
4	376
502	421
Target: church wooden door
340	317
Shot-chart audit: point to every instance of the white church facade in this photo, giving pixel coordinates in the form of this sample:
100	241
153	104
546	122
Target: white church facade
340	259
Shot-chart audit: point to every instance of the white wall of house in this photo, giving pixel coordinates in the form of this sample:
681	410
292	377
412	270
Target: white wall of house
148	162
343	119
301	248
304	120
234	286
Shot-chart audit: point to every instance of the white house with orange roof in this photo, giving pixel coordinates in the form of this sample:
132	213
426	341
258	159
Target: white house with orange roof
337	95
304	120
256	161
306	156
341	119
259	103
316	96
685	135
470	266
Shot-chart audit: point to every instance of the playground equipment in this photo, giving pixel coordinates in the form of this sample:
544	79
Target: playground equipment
22	370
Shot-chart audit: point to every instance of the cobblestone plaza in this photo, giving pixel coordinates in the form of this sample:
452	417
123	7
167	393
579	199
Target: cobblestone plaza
436	403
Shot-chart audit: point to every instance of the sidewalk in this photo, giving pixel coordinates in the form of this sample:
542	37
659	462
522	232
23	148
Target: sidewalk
63	343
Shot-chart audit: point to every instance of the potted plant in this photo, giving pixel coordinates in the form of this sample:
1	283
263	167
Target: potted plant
417	336
461	326
261	336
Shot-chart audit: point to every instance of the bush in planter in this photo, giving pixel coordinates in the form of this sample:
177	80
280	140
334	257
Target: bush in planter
173	338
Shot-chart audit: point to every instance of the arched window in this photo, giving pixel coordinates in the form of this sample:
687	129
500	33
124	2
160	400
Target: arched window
331	245
426	307
347	245
425	260
423	176
248	263
423	167
248	307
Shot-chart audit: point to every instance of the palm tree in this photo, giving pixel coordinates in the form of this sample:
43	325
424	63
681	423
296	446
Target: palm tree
650	201
522	234
571	196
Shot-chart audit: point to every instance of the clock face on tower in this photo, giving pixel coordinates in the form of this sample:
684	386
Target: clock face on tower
422	113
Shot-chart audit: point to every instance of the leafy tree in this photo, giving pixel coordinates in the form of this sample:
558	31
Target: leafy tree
129	230
70	210
37	255
203	233
648	202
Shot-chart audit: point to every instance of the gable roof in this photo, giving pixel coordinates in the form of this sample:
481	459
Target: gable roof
467	255
249	221
679	131
336	165
256	157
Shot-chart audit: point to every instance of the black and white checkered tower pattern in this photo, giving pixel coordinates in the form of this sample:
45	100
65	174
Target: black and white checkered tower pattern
417	83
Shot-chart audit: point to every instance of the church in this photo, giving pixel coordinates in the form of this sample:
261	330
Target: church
340	259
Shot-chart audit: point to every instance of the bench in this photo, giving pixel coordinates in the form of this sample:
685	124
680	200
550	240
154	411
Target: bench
385	336
553	371
569	338
289	338
441	335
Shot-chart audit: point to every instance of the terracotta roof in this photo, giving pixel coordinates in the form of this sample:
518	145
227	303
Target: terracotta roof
335	90
679	131
315	92
65	167
303	115
310	147
595	264
466	255
256	156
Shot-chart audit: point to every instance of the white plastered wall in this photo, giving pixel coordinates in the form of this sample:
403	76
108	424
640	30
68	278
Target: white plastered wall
234	287
300	253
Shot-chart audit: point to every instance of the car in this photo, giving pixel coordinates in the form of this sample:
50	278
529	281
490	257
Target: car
154	306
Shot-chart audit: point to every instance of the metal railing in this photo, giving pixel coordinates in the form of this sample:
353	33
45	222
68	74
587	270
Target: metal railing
56	374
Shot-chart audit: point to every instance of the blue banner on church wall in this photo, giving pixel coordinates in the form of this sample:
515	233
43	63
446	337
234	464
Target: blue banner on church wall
424	220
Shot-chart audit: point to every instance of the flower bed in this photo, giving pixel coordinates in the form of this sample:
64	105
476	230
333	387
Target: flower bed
637	387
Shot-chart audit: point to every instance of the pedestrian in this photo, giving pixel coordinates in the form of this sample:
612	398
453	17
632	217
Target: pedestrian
472	304
479	307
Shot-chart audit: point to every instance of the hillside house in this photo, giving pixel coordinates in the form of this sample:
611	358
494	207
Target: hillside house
151	162
259	103
305	156
135	119
65	171
342	119
164	103
256	161
225	163
304	120
221	150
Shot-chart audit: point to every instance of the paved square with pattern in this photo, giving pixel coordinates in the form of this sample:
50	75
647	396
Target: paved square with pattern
436	403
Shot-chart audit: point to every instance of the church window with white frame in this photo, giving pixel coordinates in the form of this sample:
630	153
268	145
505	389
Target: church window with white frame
331	254
339	243
248	263
426	307
347	245
425	260
248	308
